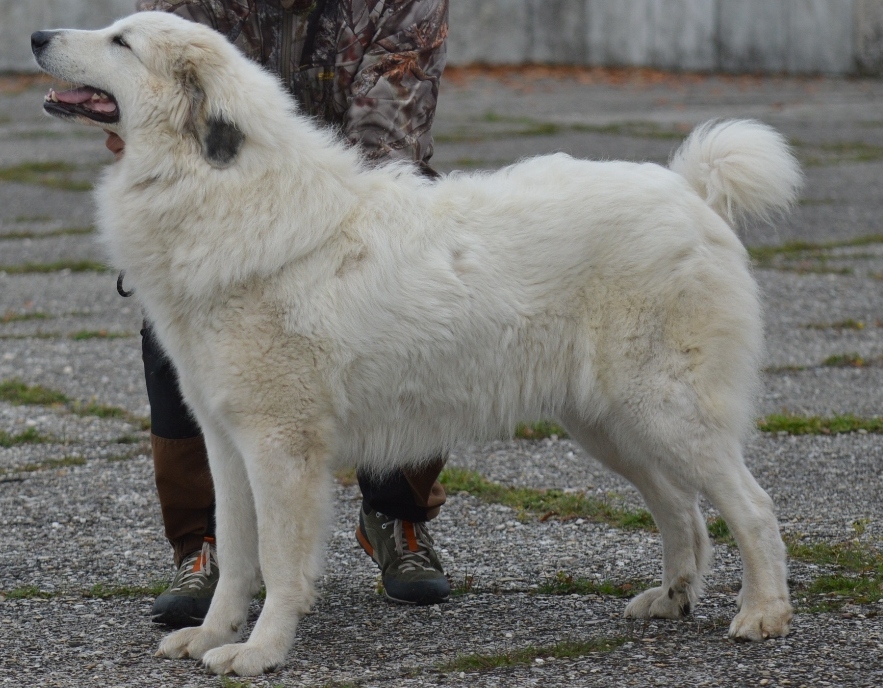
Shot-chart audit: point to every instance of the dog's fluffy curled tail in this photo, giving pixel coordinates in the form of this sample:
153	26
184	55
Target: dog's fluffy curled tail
742	168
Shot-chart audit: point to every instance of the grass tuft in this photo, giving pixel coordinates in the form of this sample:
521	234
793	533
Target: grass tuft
719	531
57	266
816	425
66	231
17	392
851	556
12	316
567	649
848	324
98	334
27	592
465	587
227	682
850	360
859	581
545	503
58	175
764	256
63	462
29	436
127	439
565	584
98	591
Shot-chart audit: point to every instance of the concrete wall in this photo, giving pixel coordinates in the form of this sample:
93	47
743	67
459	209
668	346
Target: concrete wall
869	36
19	19
793	36
787	35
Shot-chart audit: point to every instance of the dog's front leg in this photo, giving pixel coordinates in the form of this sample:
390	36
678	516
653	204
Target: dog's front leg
237	555
293	497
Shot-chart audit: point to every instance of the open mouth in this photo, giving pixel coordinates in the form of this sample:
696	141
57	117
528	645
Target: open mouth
83	101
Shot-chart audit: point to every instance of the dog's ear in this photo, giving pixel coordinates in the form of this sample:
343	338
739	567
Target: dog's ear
218	137
221	141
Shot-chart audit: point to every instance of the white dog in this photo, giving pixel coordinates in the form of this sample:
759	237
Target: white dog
320	311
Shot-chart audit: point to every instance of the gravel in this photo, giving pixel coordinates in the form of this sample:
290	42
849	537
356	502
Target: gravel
78	510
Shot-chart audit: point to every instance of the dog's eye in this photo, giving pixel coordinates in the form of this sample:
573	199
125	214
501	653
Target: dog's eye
120	42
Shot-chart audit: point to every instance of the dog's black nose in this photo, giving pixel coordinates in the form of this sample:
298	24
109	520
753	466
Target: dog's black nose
40	39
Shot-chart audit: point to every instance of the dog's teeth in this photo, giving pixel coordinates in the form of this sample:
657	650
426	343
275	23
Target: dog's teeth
53	97
95	96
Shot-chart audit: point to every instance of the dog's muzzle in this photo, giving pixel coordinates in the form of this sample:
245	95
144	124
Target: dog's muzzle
81	102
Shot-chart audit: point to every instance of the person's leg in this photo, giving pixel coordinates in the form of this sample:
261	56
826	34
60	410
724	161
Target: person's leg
186	496
392	530
185	490
412	494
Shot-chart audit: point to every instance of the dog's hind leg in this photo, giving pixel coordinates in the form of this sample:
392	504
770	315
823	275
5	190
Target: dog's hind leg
293	496
237	555
669	475
765	608
686	550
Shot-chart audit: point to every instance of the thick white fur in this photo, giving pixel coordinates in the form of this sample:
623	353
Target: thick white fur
320	312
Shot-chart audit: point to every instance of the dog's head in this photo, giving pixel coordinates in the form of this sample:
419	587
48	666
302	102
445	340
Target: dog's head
151	71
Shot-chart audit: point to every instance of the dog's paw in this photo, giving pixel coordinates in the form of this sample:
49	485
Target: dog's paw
673	602
770	620
243	659
192	642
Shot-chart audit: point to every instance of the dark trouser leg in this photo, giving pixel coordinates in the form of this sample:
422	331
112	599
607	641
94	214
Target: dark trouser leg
410	495
183	481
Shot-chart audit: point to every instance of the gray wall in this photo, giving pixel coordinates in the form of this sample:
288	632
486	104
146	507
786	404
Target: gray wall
869	36
793	36
20	18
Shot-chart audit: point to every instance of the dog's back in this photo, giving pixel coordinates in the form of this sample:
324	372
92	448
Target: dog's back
560	284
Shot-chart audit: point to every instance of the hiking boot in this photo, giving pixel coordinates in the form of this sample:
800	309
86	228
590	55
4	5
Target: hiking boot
187	599
409	567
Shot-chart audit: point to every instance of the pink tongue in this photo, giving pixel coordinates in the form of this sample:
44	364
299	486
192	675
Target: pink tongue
103	106
76	95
